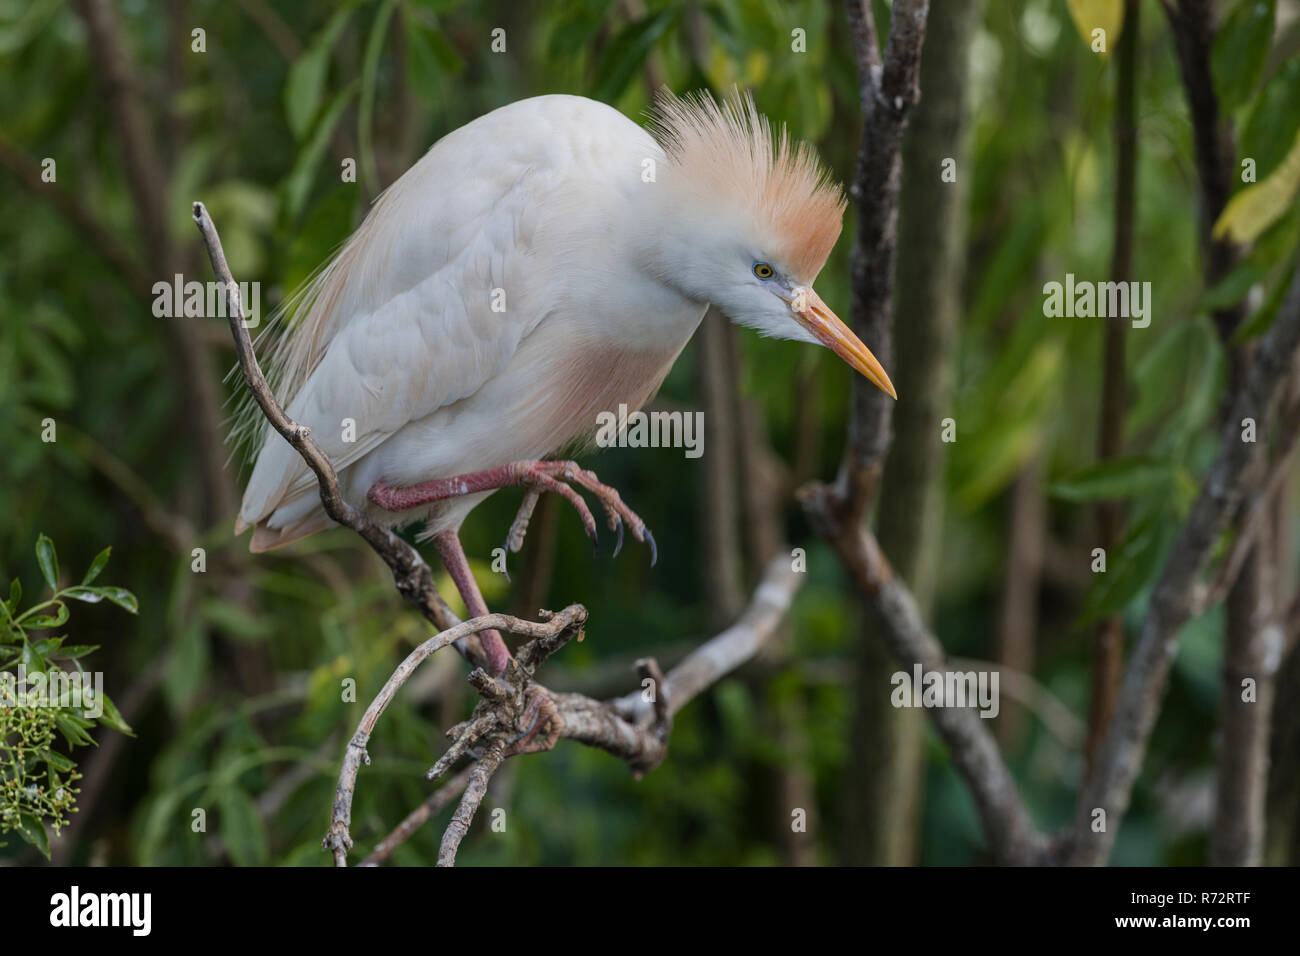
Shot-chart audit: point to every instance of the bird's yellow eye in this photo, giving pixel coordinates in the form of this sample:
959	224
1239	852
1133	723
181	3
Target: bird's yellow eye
763	270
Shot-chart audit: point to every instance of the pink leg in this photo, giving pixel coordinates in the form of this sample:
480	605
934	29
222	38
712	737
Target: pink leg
453	556
539	475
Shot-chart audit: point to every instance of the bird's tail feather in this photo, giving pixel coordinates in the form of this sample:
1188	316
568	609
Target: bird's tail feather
266	538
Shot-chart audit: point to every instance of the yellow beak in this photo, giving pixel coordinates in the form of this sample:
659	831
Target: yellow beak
814	316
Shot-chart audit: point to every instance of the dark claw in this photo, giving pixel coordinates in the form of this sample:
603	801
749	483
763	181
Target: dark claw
654	549
519	737
504	569
595	540
618	545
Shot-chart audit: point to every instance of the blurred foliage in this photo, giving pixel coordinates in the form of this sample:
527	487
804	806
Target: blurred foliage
238	669
44	689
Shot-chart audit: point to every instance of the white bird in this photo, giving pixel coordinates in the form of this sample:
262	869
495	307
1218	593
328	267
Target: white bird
540	265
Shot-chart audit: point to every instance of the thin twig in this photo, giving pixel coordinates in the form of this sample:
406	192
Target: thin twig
433	804
475	790
1173	602
338	840
623	728
410	572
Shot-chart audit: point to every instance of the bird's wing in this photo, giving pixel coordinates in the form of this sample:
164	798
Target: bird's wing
410	316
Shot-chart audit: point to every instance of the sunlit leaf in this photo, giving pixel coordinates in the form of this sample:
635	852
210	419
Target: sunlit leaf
1261	204
1090	15
93	595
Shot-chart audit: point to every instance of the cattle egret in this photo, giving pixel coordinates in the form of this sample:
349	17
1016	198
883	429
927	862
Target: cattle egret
538	266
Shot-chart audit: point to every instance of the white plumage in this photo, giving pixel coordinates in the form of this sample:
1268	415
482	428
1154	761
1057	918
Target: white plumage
541	265
528	210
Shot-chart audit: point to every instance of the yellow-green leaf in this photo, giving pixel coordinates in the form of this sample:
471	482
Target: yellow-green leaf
1090	15
1258	206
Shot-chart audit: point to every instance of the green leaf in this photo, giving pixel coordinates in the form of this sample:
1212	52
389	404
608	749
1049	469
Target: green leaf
300	178
187	666
1129	568
119	596
627	52
242	829
112	717
97	565
48	645
422	69
1259	205
41	621
305	86
15	594
1261	320
1182	361
59	762
1274	119
1233	287
31	661
17	31
1241	49
32	829
429	58
48	560
74	727
1089	15
1118	478
369	81
71	652
235	621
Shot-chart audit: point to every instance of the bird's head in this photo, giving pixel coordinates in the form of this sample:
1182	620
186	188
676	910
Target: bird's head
754	218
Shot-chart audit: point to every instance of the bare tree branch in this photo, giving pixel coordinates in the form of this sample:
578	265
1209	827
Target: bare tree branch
475	789
1254	517
411	574
338	840
634	728
435	803
1247	579
1010	832
1108	640
1174	600
1192	23
888	90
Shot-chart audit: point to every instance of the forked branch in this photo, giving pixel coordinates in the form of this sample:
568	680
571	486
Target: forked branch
516	715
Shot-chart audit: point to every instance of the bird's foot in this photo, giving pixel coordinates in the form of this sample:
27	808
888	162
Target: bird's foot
539	476
540	714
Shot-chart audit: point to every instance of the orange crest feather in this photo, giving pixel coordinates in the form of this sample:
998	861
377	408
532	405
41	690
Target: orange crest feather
727	149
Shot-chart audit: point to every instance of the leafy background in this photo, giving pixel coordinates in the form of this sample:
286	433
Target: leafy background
230	677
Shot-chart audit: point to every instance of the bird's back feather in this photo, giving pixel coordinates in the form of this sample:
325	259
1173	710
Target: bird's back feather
432	295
